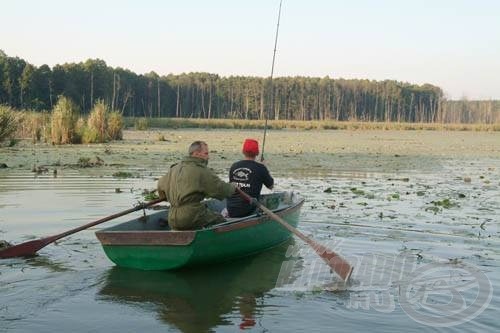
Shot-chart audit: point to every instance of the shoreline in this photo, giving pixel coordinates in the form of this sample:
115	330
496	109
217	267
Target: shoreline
286	152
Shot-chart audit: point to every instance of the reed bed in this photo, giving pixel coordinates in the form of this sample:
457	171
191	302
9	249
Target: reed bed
8	122
177	123
64	124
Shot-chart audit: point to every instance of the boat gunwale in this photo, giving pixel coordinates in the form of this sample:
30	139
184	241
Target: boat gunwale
239	224
184	237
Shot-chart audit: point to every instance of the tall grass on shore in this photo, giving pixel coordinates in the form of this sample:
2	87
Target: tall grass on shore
115	125
96	129
63	125
176	123
8	122
142	124
102	125
33	125
63	122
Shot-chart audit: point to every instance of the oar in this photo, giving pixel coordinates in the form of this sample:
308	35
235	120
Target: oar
336	262
31	247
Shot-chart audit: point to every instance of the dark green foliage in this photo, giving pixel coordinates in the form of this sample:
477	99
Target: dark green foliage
207	96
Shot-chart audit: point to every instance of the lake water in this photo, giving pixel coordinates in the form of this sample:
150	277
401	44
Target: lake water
422	233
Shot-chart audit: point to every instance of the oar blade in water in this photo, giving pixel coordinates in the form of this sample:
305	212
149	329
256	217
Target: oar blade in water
26	249
336	262
30	248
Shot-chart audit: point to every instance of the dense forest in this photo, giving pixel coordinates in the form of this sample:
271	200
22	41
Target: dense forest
205	95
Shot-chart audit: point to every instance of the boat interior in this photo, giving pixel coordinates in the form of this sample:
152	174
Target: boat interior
276	201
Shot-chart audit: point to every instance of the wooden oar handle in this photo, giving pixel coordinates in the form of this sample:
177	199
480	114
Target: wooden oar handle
31	247
332	259
140	206
246	197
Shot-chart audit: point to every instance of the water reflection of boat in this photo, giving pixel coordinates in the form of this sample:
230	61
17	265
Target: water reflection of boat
198	300
147	243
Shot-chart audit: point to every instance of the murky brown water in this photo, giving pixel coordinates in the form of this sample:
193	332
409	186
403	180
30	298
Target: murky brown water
391	202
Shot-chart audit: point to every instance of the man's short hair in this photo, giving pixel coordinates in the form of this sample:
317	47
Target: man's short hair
196	146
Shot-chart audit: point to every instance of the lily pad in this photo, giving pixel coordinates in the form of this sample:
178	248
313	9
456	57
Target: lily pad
445	203
357	191
123	174
433	209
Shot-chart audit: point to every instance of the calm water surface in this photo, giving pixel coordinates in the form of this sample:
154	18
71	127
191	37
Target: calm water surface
425	244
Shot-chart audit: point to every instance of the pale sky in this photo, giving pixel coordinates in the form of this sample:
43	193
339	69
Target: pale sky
454	44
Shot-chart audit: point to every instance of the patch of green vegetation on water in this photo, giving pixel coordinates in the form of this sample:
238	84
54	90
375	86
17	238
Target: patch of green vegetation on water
433	209
445	203
123	174
87	162
394	196
83	162
357	191
150	195
439	205
406	179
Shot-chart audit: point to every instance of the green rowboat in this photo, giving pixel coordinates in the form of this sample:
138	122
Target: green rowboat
147	243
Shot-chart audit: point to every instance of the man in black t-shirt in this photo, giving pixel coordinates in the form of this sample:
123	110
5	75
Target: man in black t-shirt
249	175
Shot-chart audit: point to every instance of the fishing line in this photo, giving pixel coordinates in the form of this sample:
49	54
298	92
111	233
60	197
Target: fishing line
266	114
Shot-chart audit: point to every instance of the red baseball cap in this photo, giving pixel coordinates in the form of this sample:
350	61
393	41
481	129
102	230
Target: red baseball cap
251	147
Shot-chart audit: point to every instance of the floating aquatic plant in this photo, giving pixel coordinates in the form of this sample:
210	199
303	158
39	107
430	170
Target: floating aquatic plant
406	179
123	174
433	209
87	162
357	191
83	162
151	196
445	203
394	196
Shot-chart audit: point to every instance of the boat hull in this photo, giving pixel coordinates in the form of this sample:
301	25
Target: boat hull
153	249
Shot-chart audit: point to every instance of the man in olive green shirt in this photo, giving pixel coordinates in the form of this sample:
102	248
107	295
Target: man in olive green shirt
189	182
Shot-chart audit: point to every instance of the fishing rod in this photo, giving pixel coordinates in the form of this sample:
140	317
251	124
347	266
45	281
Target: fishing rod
266	114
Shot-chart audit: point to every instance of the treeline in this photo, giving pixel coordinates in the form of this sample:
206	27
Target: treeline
471	112
209	96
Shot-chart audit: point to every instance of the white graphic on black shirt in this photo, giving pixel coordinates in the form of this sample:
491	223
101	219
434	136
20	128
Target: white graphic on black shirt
242	174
